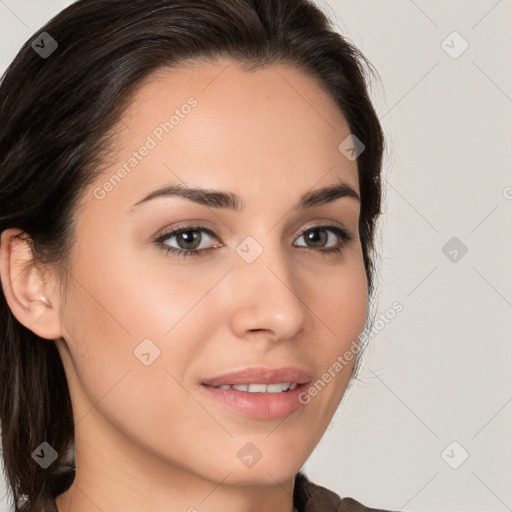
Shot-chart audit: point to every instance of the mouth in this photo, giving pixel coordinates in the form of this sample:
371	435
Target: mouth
260	393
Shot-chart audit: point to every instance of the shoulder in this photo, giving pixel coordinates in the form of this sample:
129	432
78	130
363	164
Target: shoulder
310	497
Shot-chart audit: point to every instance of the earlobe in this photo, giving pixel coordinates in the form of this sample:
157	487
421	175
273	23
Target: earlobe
26	292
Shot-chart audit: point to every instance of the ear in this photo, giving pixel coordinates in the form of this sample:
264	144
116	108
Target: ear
32	300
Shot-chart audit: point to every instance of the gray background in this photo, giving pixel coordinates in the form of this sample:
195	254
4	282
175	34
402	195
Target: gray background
438	373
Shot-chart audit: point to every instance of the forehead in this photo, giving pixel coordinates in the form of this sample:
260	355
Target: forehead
213	124
272	98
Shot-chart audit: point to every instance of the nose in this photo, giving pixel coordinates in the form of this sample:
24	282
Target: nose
266	297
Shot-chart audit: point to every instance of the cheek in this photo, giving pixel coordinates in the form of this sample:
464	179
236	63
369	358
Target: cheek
107	373
129	395
135	293
340	297
115	304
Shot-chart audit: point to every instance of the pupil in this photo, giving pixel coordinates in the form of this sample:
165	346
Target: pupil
312	237
186	238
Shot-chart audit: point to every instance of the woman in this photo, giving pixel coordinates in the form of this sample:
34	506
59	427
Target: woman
189	192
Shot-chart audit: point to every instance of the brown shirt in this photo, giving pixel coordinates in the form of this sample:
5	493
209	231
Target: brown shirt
309	497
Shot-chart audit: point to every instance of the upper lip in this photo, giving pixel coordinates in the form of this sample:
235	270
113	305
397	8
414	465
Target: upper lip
261	375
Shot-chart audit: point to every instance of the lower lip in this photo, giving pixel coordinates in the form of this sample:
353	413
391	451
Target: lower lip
266	406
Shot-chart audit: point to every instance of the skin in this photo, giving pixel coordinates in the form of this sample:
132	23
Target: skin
146	436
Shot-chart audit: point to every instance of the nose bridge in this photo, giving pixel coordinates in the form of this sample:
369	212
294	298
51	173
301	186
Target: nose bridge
269	295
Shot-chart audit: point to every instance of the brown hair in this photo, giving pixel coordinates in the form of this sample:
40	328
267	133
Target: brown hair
58	115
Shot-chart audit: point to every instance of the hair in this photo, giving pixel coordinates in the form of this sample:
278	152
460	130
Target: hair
59	116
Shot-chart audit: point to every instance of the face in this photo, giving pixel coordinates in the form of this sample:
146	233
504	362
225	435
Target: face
153	320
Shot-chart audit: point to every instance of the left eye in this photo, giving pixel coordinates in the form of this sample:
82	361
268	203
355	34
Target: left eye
190	238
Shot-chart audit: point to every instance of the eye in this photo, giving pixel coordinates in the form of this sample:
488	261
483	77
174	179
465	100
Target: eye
190	238
319	237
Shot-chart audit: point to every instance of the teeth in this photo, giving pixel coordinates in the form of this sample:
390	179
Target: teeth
273	388
257	388
261	388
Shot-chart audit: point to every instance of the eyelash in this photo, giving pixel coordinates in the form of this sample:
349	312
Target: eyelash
345	235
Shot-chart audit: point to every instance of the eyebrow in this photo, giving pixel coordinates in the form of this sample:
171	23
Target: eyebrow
228	200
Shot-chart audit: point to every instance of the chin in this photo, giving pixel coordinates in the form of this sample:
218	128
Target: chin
265	475
277	468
